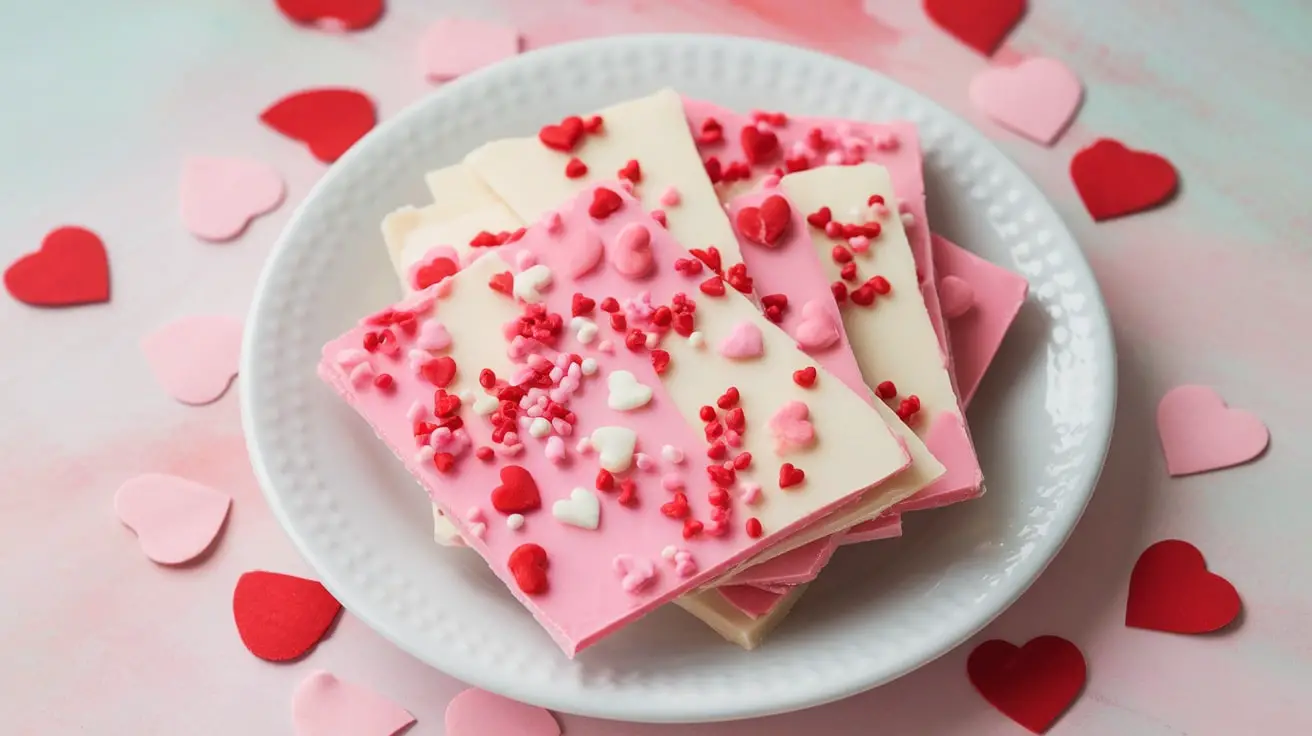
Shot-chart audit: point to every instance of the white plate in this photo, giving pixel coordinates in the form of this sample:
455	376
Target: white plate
1042	421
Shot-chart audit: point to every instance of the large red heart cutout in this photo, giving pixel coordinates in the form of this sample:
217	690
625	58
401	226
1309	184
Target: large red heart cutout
281	617
766	224
980	24
1032	685
328	120
517	493
528	564
1114	180
350	15
1172	590
70	268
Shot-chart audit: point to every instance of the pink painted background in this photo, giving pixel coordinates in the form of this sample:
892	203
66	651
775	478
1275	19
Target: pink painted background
102	100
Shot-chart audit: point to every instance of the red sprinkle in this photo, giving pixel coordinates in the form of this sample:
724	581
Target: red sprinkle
628	493
874	200
841	254
660	360
444	461
678	508
618	322
805	377
484	453
707	413
717	450
820	217
581	305
864	295
605	481
754	528
503	282
636	339
631	171
720	475
575	169
593	124
848	272
714	286
610	305
880	285
736	420
688	266
486	378
743	461
718	497
714	430
758	147
738	278
384	381
728	399
605	202
691	528
839	290
710	256
714	172
886	390
789	475
712	132
564	136
528	564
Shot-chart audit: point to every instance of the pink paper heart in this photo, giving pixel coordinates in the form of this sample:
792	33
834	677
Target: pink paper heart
819	327
1036	98
630	254
585	256
791	428
477	712
326	706
194	358
455	46
175	519
955	296
1200	433
220	196
744	343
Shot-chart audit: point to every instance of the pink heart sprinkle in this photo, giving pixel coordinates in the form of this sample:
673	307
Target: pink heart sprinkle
630	255
452	47
750	493
433	336
1036	98
819	327
175	519
955	296
585	255
743	343
477	712
791	428
195	358
220	196
1200	433
326	706
636	573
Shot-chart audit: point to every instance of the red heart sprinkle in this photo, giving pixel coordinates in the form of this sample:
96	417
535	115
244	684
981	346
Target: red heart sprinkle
839	290
691	528
593	124
71	268
712	132
575	169
1032	685
820	217
678	508
775	300
743	461
735	419
628	493
446	404
281	617
517	493
564	136
738	278
444	461
710	256
729	398
805	377
581	305
864	295
604	203
754	529
1172	590
631	171
528	564
503	282
759	147
605	481
980	24
351	15
720	475
766	224
1114	180
440	371
434	271
660	360
714	286
789	475
848	272
328	120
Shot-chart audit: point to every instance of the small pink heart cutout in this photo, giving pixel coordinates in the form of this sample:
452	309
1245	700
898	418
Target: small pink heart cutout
1200	433
175	519
1036	98
195	358
326	706
477	712
220	196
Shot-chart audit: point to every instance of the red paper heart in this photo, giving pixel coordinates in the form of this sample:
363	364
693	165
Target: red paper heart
528	564
70	268
759	147
1114	180
440	371
281	617
434	271
328	120
562	137
517	493
766	224
351	15
980	24
1032	685
1171	590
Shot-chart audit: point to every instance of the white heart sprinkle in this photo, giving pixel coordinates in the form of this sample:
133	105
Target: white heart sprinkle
540	427
589	366
485	405
530	283
626	392
696	339
614	447
582	509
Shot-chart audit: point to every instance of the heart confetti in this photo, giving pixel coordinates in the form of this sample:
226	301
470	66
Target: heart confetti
477	712
175	519
1171	590
1032	685
195	358
71	268
328	120
1114	180
980	24
333	15
1036	98
1200	433
323	705
281	617
452	47
220	196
